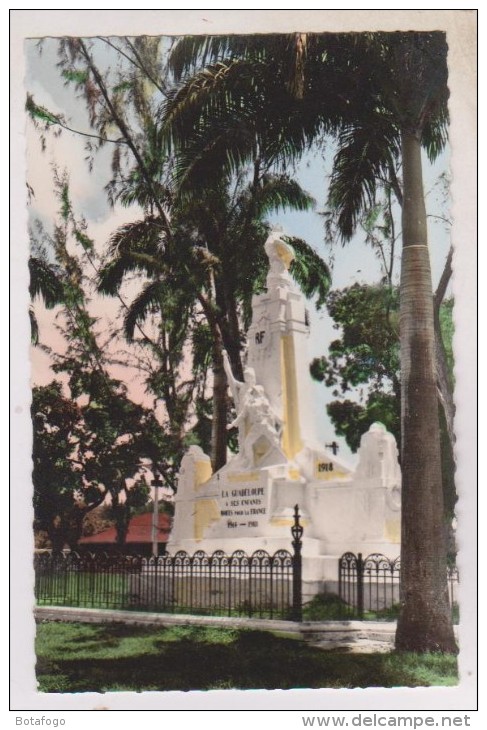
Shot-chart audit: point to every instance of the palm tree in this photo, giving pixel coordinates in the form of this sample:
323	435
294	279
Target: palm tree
384	98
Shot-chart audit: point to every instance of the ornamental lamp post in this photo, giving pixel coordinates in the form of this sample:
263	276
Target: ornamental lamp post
156	483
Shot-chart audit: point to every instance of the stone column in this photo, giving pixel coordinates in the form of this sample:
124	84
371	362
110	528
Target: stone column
278	349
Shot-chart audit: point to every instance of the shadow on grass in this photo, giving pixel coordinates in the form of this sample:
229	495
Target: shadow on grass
128	658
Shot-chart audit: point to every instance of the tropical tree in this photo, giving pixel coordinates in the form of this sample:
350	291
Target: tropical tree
91	444
84	455
384	97
419	104
60	497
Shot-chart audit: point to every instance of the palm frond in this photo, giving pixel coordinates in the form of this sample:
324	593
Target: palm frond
193	52
230	110
171	303
278	192
310	271
435	133
208	95
34	327
188	52
145	235
366	152
112	274
146	303
134	247
45	282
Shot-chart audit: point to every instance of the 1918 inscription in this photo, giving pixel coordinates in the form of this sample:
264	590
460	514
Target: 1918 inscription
324	466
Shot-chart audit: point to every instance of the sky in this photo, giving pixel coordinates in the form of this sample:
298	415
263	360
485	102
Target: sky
354	262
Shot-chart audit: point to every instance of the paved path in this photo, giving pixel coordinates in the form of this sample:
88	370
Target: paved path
355	636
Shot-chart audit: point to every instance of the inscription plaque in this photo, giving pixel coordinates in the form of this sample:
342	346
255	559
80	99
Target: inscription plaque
244	508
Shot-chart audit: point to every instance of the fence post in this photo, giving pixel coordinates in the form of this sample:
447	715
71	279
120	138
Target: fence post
297	531
360	586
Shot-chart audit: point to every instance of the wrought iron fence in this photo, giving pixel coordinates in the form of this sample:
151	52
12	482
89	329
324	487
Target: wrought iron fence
259	585
370	587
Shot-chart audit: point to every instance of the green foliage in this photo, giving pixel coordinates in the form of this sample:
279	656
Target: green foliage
310	271
352	419
166	508
85	453
324	607
447	331
97	520
122	86
39	113
45	282
239	93
79	77
85	240
366	357
57	472
384	614
65	201
365	360
368	349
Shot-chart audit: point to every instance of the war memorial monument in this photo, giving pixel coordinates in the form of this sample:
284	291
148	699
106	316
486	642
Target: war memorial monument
249	503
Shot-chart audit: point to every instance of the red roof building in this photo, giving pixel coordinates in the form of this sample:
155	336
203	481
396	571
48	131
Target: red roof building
138	540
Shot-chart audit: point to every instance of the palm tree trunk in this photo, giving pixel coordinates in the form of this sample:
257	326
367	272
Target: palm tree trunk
445	390
232	340
425	620
219	420
218	454
445	385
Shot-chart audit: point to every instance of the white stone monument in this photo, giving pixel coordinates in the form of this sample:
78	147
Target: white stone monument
248	504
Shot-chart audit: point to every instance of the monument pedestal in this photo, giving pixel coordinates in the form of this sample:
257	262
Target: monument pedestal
252	509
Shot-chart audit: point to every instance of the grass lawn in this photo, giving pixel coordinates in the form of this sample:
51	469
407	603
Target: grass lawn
76	657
